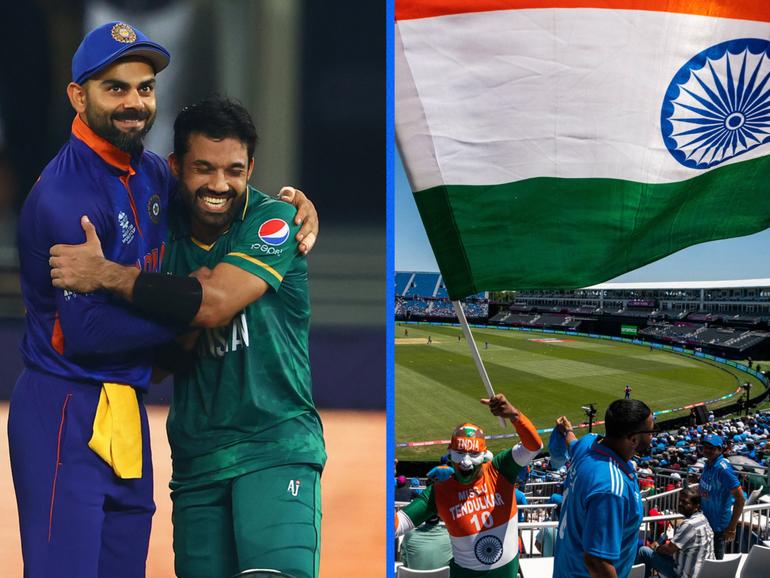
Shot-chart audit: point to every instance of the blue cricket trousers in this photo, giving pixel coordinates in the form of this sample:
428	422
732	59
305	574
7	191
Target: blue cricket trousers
77	519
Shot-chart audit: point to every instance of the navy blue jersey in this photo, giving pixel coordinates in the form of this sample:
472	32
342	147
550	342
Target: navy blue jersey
93	337
601	514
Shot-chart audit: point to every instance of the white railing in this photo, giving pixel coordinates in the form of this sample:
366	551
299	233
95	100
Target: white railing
752	529
664	502
544	488
536	512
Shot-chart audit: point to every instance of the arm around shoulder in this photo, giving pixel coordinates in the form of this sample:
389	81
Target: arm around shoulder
227	289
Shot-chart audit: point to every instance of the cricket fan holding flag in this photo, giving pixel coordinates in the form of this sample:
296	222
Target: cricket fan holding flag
478	504
78	434
246	440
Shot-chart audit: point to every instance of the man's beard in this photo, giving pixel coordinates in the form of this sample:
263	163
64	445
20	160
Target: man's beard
130	142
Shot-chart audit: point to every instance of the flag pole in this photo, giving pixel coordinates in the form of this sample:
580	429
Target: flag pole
475	352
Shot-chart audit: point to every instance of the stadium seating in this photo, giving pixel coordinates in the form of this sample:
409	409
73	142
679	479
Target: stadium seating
757	562
719	568
422	285
404	572
423	297
402	281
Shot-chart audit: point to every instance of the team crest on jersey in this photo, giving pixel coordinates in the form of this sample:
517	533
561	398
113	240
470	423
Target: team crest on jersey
122	32
127	229
488	550
153	208
274	232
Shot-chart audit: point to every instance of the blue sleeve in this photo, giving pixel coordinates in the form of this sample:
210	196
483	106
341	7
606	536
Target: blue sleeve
579	447
557	447
91	325
603	540
95	323
728	479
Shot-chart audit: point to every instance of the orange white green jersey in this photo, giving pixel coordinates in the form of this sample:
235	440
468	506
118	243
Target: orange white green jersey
481	515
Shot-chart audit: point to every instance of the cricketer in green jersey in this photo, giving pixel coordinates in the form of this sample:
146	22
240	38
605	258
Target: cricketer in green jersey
247	443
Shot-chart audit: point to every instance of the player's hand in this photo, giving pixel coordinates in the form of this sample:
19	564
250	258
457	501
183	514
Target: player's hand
78	268
188	340
307	216
563	425
501	407
729	534
441	473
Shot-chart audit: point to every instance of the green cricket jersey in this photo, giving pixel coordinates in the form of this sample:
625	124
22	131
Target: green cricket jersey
247	404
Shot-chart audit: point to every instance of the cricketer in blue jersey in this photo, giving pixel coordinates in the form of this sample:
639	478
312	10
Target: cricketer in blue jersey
721	495
602	510
78	434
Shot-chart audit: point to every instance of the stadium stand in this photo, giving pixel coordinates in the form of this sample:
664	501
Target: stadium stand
673	462
422	285
422	296
725	318
402	282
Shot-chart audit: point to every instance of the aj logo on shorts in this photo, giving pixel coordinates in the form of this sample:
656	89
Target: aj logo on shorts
293	488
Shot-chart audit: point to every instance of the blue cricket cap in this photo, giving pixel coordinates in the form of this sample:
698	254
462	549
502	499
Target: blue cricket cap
106	44
556	499
713	440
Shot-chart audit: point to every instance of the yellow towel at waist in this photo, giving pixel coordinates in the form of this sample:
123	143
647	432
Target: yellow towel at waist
117	436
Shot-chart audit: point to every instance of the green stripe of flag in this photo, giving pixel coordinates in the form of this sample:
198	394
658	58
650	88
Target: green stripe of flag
559	233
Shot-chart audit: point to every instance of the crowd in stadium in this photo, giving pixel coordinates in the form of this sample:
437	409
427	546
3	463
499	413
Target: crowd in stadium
674	460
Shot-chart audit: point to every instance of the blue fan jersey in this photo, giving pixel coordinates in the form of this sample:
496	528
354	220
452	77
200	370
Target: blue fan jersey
716	485
601	514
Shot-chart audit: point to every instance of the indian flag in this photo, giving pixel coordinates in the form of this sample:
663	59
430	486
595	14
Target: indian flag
560	143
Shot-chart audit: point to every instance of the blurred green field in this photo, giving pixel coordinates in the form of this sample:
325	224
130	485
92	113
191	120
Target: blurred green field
437	386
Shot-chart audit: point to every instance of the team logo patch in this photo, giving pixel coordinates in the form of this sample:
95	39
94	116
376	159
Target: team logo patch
488	550
127	229
274	232
123	33
153	208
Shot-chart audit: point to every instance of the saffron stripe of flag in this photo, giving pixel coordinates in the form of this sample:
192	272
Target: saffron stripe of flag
559	147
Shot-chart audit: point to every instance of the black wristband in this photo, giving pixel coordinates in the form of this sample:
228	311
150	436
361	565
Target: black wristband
168	298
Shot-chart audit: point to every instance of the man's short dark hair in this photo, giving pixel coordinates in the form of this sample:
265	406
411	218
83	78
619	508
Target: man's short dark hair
693	495
217	118
624	417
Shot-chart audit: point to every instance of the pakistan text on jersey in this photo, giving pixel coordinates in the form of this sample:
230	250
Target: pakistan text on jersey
221	340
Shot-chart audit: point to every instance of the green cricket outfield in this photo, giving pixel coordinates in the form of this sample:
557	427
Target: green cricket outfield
544	375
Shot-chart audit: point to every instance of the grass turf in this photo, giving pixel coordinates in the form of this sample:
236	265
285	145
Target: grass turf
438	387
